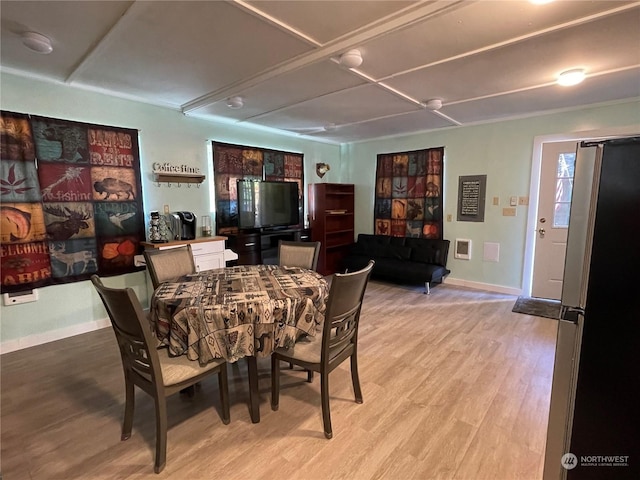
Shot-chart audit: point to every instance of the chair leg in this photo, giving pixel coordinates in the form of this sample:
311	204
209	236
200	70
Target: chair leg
355	379
161	434
427	288
129	404
275	383
223	386
254	392
326	413
310	376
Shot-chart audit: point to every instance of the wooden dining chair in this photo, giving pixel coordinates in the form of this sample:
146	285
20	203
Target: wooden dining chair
165	265
298	254
338	342
151	368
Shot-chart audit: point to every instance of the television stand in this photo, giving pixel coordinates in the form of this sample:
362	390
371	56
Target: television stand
261	247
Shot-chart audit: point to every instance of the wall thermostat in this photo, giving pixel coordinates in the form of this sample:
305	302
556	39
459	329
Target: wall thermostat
462	249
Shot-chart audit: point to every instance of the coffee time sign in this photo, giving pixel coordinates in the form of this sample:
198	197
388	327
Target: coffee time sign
170	169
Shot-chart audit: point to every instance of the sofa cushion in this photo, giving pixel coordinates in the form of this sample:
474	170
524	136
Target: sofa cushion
396	251
370	245
426	250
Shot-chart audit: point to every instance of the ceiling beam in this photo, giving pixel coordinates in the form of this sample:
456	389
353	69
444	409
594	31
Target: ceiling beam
405	17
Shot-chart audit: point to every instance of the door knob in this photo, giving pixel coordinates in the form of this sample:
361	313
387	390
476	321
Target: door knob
541	231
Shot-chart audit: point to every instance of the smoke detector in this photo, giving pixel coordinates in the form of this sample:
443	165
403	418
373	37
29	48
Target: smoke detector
433	104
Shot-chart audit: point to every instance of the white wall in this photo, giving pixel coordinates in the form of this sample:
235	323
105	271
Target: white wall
503	151
165	136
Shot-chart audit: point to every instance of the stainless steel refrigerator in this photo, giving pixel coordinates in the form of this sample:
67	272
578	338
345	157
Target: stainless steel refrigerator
594	427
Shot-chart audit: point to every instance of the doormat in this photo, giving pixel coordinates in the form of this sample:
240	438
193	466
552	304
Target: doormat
539	307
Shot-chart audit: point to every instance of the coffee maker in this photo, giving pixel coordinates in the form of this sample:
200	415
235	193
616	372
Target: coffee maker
181	225
187	225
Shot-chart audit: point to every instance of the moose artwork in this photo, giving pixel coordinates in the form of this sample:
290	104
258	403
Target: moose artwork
71	201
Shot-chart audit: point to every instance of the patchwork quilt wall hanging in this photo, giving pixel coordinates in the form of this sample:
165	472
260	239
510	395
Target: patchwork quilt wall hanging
408	201
236	162
71	201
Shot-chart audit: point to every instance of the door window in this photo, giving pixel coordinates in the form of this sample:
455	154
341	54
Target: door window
564	187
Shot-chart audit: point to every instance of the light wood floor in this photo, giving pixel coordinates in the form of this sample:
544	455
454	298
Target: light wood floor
455	385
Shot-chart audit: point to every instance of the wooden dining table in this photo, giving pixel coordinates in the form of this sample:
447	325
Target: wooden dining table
238	312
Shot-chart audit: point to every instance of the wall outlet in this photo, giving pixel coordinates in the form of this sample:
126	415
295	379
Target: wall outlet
509	212
166	209
523	200
20	297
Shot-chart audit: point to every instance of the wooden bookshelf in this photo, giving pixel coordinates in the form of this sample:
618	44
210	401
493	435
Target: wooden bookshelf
331	207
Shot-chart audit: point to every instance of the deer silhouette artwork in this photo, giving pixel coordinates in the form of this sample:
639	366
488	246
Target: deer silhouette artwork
73	222
58	251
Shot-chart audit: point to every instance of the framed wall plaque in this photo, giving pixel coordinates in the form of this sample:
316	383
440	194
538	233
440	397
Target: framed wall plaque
472	190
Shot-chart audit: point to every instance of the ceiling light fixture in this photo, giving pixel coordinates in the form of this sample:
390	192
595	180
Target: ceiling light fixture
433	104
235	102
37	43
351	59
571	77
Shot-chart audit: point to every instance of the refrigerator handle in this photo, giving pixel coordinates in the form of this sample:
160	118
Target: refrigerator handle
571	314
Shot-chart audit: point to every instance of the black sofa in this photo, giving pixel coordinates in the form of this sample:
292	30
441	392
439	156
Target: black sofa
401	259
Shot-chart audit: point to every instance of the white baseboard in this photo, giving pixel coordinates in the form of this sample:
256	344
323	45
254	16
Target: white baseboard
483	286
51	336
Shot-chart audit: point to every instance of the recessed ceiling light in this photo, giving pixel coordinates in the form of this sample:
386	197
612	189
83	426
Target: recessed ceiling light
351	59
37	42
235	102
571	77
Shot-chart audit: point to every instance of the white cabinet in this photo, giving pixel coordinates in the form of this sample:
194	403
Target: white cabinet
208	255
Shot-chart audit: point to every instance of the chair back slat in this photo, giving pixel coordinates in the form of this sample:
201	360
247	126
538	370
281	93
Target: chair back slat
134	352
342	315
132	330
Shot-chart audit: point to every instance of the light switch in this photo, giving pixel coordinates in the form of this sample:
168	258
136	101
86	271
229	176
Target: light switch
449	217
496	200
513	201
166	209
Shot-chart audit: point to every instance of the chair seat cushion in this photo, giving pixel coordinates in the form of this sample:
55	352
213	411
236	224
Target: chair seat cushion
307	349
180	368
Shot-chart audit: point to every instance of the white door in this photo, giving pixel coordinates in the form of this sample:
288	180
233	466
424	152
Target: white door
554	201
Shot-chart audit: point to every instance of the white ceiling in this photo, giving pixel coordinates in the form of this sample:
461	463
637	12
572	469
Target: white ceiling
486	60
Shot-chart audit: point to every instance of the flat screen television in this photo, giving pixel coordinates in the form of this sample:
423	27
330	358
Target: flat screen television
266	205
